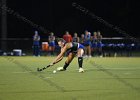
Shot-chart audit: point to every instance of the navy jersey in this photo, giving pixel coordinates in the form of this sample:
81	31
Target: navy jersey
75	46
87	41
75	39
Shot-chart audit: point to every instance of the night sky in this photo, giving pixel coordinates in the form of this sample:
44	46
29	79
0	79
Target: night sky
59	16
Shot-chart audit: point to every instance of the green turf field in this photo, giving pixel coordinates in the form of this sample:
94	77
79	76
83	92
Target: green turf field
103	79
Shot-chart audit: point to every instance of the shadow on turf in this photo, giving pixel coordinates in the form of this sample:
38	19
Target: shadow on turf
26	68
59	91
101	68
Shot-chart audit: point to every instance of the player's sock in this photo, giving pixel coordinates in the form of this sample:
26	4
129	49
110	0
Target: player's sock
49	53
100	53
52	53
80	61
65	66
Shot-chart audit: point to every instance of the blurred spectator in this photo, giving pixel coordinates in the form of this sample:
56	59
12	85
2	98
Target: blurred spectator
87	44
36	45
67	37
51	43
129	48
99	43
94	44
75	38
82	39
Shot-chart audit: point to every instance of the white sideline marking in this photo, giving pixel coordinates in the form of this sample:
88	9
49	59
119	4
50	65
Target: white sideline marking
127	73
118	68
87	69
111	68
122	68
47	77
22	72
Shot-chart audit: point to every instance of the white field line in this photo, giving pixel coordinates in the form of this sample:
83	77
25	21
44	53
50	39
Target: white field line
47	77
22	72
112	68
86	69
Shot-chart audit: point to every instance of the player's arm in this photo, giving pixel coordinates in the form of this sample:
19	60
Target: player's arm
38	38
49	39
58	60
60	56
54	38
101	37
78	40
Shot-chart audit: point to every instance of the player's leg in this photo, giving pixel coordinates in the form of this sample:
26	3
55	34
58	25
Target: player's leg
33	50
49	51
38	51
86	49
100	49
67	62
89	51
80	59
53	48
69	59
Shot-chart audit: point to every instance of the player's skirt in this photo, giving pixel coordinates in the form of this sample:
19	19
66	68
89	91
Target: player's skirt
52	44
87	43
94	45
99	45
80	46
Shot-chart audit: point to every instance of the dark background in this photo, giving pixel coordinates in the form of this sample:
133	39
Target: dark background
59	15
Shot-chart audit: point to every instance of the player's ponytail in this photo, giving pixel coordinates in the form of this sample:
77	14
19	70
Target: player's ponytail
61	39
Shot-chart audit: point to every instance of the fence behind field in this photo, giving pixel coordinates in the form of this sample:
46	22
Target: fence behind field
111	46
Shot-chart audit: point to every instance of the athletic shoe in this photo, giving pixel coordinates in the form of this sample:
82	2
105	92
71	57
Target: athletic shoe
89	56
81	70
101	56
85	56
60	69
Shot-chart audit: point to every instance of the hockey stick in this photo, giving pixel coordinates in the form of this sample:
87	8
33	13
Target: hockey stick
41	69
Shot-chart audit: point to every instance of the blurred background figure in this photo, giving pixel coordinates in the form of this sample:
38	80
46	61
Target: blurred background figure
87	44
82	39
94	44
51	43
36	44
75	38
67	37
99	43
